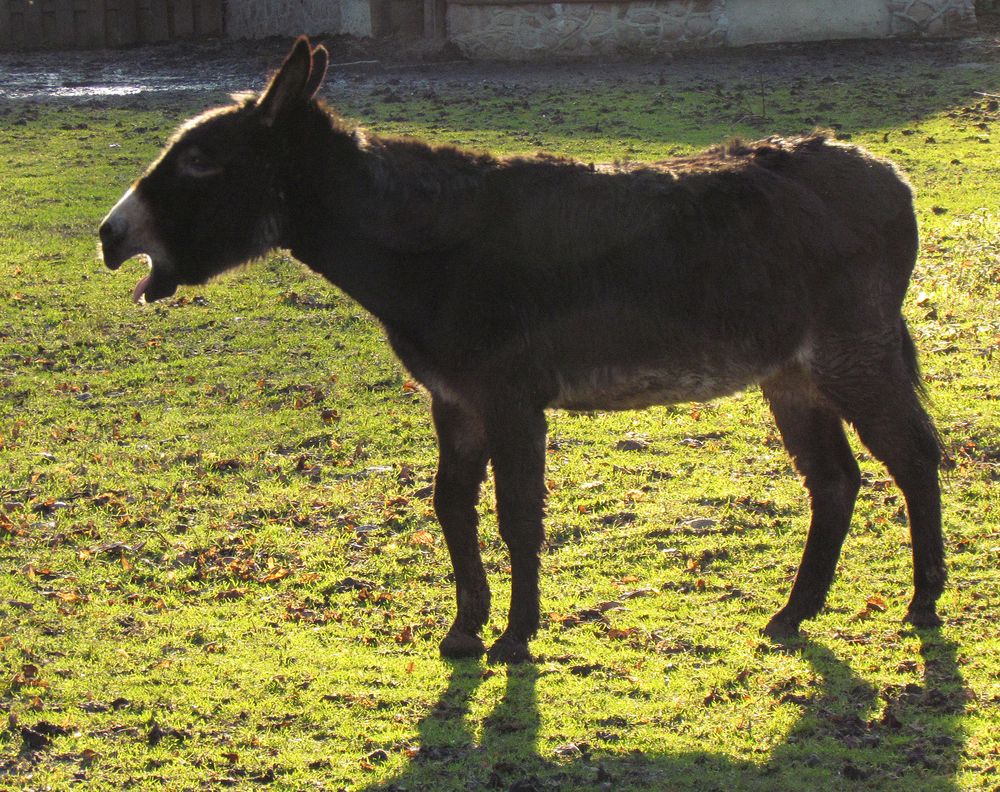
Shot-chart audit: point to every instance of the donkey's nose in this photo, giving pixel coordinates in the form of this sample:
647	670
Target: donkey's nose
112	233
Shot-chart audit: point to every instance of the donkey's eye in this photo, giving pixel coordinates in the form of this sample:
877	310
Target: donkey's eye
195	163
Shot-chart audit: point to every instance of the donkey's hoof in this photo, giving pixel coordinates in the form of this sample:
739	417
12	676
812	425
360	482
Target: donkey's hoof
458	645
781	631
923	617
509	651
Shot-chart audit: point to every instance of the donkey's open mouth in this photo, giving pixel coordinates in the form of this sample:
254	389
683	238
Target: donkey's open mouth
127	232
155	286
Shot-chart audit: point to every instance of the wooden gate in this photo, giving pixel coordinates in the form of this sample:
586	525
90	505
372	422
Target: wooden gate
65	24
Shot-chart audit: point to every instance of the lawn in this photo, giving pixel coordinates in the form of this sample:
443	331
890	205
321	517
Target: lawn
219	565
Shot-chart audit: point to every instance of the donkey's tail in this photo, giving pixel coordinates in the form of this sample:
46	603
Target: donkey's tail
909	350
912	364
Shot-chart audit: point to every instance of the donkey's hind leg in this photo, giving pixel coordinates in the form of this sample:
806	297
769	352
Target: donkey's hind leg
814	437
884	408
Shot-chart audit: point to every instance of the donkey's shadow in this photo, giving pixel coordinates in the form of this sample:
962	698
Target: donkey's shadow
505	757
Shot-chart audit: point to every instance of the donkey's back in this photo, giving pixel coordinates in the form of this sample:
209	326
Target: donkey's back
680	280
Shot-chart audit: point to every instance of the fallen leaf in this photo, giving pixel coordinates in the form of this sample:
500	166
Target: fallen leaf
877	603
405	635
275	575
568	751
422	537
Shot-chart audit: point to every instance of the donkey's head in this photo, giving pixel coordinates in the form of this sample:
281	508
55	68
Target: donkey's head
211	201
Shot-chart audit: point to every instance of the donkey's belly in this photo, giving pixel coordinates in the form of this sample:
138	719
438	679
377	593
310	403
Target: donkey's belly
627	388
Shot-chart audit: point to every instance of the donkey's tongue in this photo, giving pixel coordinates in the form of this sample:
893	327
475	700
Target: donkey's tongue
140	288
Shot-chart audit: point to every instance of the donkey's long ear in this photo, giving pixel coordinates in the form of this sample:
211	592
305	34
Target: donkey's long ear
288	85
320	60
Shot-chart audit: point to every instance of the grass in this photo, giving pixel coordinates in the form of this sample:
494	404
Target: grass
219	565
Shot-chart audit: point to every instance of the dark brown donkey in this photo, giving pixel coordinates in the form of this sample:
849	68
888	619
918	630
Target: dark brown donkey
507	286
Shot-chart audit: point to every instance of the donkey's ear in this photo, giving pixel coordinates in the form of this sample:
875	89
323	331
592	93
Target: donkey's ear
287	87
320	60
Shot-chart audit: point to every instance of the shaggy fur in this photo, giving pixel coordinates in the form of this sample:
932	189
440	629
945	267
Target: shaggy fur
507	286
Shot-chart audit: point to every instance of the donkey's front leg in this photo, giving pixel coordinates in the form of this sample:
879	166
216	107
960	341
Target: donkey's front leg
461	469
517	447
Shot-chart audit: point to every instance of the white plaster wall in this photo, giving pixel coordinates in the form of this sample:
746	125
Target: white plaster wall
766	21
356	17
262	18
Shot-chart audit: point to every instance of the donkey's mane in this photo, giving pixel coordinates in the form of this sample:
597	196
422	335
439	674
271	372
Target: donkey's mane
426	196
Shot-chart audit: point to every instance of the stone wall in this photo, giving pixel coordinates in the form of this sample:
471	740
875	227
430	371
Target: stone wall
932	17
540	30
533	29
522	29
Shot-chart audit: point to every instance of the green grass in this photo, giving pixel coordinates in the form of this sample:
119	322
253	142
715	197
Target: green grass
218	559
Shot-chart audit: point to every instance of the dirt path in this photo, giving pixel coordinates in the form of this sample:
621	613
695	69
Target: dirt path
224	66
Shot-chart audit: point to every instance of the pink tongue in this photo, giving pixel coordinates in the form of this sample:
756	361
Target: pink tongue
140	288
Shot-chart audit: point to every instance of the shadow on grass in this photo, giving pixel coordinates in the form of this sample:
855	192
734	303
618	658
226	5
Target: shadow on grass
915	743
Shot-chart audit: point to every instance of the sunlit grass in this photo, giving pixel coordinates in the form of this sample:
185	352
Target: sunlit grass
218	560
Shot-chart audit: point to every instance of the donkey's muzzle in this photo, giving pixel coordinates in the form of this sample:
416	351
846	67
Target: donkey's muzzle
113	243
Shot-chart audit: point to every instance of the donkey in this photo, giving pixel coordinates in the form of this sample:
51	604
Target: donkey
507	286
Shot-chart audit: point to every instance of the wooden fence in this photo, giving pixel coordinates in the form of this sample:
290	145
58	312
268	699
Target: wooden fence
49	24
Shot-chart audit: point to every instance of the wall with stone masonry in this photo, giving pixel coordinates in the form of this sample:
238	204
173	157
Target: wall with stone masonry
536	29
541	30
932	17
523	30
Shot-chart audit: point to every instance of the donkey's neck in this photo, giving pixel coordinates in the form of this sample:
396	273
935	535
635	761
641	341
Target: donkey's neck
414	198
377	216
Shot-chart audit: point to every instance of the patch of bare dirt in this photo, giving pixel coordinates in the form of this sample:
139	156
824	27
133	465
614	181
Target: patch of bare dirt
231	66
